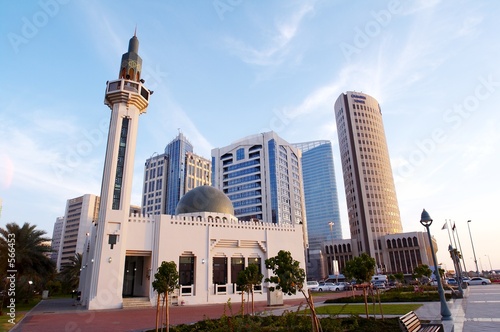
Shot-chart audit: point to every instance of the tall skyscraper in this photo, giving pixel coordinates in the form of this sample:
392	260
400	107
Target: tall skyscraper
320	192
55	245
168	176
372	204
81	212
127	98
262	176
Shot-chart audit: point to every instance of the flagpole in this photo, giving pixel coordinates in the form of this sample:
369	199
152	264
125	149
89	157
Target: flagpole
462	253
448	229
453	233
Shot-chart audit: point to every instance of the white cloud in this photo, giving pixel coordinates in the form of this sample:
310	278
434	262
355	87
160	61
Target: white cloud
276	51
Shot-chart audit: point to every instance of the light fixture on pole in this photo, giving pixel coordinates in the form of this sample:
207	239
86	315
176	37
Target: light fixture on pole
426	221
473	251
331	223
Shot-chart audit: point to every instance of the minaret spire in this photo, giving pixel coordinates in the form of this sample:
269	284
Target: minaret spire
131	65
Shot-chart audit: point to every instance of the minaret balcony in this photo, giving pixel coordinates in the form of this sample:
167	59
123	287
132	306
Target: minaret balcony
129	92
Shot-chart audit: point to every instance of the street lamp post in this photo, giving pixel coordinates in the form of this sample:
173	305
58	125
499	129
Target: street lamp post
473	251
331	223
29	290
426	221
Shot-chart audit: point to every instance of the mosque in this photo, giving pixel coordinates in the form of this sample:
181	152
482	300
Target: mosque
208	244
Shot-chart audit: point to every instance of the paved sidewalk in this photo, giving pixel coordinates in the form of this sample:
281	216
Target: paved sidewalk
479	310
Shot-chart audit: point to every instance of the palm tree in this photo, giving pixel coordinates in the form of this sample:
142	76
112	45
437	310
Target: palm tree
30	247
71	273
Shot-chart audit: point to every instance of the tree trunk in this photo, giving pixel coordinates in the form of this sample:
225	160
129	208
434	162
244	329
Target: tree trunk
253	307
380	304
167	314
366	301
316	325
157	312
242	302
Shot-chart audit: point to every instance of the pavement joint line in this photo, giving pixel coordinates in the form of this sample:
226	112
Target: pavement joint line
477	319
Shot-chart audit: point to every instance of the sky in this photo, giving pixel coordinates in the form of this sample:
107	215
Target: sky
225	69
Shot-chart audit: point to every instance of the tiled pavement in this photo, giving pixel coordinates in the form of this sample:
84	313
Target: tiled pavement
478	311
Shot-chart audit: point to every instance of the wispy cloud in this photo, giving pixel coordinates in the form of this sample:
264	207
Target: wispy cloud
37	159
277	47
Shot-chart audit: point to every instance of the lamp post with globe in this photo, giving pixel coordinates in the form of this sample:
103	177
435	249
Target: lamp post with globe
336	273
426	221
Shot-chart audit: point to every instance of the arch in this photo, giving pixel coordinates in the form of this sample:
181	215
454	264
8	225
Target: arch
399	243
405	244
394	243
389	244
410	242
326	250
415	241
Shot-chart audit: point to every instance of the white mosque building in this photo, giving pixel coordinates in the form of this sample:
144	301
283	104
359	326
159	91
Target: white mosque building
209	245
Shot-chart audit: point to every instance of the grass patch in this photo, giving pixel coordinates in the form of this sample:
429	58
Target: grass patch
359	309
394	295
4	321
21	310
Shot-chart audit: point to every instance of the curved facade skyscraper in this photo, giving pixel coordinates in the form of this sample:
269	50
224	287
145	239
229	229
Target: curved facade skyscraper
372	204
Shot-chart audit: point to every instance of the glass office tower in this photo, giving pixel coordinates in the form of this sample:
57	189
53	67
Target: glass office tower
320	192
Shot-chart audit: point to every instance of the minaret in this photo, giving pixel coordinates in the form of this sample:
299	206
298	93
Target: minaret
127	98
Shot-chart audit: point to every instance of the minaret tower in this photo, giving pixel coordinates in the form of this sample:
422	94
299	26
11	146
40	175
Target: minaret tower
127	98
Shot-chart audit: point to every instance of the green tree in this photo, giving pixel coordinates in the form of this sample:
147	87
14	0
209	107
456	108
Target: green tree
247	279
31	262
289	277
166	281
421	271
400	277
70	274
362	269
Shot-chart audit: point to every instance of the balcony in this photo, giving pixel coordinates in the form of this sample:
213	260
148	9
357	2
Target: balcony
129	92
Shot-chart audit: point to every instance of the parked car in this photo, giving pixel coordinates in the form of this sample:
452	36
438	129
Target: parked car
347	286
379	284
451	282
328	287
338	287
312	284
478	281
355	285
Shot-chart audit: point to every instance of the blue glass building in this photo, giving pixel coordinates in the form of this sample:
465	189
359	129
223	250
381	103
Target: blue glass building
320	192
168	176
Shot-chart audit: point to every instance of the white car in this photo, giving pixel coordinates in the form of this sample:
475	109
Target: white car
312	284
328	287
478	281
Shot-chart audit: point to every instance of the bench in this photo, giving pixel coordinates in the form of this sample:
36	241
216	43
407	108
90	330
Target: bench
411	323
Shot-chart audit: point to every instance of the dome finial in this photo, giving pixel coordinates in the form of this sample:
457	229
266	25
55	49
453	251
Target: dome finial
135	31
